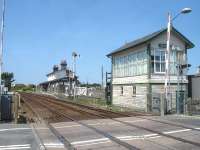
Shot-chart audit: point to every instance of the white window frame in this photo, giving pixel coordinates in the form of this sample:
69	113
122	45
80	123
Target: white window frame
172	62
160	61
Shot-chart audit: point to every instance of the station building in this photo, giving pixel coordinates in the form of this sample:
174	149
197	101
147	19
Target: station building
138	70
60	80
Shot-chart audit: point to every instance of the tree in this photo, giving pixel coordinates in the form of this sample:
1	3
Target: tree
18	87
23	87
7	79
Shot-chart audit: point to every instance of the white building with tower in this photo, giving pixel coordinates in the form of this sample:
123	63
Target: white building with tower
60	80
138	71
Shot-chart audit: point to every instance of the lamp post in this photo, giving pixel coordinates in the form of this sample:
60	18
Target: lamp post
167	55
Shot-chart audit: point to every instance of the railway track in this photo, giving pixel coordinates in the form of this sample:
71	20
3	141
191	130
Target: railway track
106	113
59	109
75	111
62	113
125	114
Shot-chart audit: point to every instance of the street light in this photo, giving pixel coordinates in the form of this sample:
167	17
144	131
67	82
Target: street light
186	10
183	11
167	55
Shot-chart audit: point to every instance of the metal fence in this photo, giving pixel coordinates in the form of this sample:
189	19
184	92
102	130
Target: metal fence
157	103
97	93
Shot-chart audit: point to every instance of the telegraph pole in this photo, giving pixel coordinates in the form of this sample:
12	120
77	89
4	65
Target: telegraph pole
102	77
1	44
74	55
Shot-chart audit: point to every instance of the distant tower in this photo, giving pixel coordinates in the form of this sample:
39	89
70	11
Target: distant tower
55	68
63	65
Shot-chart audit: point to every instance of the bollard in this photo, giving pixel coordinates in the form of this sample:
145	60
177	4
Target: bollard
162	112
17	104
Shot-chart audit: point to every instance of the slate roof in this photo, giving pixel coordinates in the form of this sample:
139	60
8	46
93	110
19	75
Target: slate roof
55	80
149	37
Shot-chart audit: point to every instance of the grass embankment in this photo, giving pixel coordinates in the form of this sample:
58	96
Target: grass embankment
97	102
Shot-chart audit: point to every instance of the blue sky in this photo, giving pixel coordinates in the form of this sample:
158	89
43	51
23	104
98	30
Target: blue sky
39	33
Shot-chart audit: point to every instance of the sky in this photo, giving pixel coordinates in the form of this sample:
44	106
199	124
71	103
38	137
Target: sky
41	33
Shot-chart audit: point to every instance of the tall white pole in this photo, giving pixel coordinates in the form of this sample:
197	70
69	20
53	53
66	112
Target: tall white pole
74	55
74	77
1	44
178	84
167	67
102	83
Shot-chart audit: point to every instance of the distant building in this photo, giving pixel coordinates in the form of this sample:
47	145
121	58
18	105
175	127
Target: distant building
138	70
60	72
60	80
194	85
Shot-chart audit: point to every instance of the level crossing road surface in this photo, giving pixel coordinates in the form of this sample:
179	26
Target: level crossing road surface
143	132
26	137
16	136
155	133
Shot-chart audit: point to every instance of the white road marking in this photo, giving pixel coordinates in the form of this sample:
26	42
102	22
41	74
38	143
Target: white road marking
39	128
176	131
139	136
67	126
93	143
108	141
54	145
95	124
125	138
136	120
15	147
89	141
102	140
154	137
14	129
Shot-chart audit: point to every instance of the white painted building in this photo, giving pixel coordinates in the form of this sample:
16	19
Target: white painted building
138	70
60	80
60	72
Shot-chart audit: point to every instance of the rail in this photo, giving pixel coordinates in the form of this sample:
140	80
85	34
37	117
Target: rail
126	123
